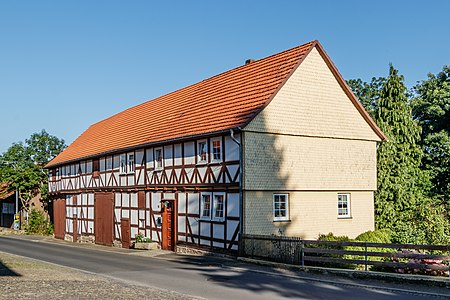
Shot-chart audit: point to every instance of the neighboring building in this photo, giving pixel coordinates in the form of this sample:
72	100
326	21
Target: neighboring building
7	205
170	167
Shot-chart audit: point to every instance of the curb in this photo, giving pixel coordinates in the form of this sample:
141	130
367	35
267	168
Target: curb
401	278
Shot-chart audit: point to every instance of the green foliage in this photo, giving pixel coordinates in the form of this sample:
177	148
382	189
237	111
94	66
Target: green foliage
427	224
333	238
140	238
401	182
368	93
38	224
431	107
375	236
22	164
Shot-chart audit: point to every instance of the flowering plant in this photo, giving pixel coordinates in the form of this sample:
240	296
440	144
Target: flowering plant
140	238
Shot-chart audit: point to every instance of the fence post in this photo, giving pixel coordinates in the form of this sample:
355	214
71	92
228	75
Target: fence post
303	253
448	249
253	245
365	256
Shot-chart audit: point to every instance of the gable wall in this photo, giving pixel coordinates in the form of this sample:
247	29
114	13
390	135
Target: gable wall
312	103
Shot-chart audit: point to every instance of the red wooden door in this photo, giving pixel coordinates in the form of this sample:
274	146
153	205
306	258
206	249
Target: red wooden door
59	218
168	226
104	218
75	228
126	235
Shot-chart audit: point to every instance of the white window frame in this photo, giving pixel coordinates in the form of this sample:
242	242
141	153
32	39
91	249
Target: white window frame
213	159
130	162
215	205
347	197
159	164
199	153
123	163
280	218
202	206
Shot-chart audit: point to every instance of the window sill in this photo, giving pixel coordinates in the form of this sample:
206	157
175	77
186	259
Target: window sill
284	220
344	217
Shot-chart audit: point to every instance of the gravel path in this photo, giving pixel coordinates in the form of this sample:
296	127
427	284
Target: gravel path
24	278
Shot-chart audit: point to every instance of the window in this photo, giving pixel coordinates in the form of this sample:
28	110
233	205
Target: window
123	164
216	150
130	163
343	205
206	206
158	159
213	206
218	207
202	151
280	207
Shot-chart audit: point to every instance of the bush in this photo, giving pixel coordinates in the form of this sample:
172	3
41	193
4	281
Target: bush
332	238
376	236
38	224
140	238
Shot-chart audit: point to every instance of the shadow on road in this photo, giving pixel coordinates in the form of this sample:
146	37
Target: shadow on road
248	279
5	271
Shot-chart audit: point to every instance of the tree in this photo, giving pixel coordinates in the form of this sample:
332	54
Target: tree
22	165
431	107
402	202
368	93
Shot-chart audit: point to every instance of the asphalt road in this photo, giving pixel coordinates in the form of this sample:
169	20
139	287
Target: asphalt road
211	278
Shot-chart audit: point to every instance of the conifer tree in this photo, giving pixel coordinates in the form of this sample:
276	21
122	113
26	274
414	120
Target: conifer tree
401	182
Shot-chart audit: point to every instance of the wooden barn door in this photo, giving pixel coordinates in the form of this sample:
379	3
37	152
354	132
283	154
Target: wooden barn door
168	225
104	218
126	235
59	218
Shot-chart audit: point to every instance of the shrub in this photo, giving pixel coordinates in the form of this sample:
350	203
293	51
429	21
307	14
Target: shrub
38	223
140	238
332	238
376	236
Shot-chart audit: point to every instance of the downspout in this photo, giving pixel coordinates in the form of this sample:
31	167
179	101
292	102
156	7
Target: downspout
241	196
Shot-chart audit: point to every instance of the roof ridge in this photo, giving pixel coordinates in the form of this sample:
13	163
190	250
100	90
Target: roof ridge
241	93
207	79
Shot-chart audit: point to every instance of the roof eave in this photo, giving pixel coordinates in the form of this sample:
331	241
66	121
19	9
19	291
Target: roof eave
144	145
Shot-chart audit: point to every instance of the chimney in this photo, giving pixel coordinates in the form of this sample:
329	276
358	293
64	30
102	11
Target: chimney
249	61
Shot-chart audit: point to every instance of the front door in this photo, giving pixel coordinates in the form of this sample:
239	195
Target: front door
104	218
59	218
125	229
168	225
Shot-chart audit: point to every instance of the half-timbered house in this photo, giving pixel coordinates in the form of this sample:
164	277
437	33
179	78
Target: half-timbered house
279	145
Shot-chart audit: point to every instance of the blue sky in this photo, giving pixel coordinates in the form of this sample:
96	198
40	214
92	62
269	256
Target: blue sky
65	65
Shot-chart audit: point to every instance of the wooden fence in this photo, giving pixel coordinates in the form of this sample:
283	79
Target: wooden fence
405	258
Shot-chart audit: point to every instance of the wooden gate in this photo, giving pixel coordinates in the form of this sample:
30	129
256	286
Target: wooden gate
59	218
168	225
126	235
104	218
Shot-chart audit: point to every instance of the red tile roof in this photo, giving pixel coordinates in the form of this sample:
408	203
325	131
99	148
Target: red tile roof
5	190
225	101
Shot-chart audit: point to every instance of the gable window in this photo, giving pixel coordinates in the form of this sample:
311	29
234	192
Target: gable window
158	159
280	207
130	163
123	164
218	207
202	151
206	206
343	205
216	150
